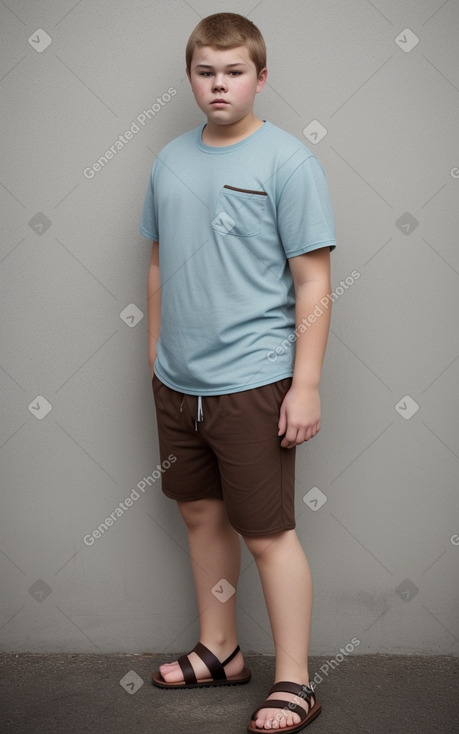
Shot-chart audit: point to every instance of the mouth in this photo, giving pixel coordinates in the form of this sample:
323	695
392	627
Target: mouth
219	102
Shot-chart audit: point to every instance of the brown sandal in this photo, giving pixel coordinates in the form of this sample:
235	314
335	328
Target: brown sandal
216	670
302	691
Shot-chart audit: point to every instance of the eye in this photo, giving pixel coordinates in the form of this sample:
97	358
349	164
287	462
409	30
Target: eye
236	73
204	73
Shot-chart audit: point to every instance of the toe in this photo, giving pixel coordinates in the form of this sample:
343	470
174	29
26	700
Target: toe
171	672
270	719
263	722
279	721
275	719
292	719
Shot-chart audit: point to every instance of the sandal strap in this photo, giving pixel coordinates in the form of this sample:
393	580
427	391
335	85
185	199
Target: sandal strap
301	690
187	670
274	703
230	657
213	663
216	668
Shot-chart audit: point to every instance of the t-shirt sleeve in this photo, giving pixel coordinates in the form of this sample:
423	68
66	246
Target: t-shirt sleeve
148	225
305	215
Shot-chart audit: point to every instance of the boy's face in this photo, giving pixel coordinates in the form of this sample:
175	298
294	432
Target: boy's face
224	83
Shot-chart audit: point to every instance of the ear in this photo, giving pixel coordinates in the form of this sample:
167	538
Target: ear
262	79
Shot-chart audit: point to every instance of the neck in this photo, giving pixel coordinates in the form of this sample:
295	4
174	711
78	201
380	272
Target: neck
221	135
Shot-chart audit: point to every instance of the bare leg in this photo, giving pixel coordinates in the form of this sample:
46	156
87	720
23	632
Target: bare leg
215	552
287	587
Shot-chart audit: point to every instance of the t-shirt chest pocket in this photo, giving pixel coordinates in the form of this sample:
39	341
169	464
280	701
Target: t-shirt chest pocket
239	212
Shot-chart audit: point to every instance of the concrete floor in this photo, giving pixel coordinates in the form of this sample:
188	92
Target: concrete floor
375	694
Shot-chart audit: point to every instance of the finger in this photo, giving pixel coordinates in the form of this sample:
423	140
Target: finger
315	430
300	436
285	443
289	440
282	424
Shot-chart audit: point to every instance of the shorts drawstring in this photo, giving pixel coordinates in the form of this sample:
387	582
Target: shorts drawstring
200	414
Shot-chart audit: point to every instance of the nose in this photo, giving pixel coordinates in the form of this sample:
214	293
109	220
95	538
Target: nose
219	82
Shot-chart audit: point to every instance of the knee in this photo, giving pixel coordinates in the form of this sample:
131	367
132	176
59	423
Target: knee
260	545
193	513
200	513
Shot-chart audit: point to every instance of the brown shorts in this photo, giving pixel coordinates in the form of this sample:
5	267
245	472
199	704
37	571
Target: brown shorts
233	453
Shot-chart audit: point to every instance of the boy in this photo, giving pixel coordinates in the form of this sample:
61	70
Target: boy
242	229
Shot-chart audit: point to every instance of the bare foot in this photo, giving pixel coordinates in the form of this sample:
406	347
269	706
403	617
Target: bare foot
280	718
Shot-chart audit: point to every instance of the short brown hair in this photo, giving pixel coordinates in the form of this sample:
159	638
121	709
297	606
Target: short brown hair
228	30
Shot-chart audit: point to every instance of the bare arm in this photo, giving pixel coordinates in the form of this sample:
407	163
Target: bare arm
153	305
300	411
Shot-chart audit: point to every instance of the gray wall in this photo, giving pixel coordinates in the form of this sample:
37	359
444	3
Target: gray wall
377	489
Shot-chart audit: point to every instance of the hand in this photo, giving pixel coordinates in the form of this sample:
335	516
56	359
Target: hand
299	417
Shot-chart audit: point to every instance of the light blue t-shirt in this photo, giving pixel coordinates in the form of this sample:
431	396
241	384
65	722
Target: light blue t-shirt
227	219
